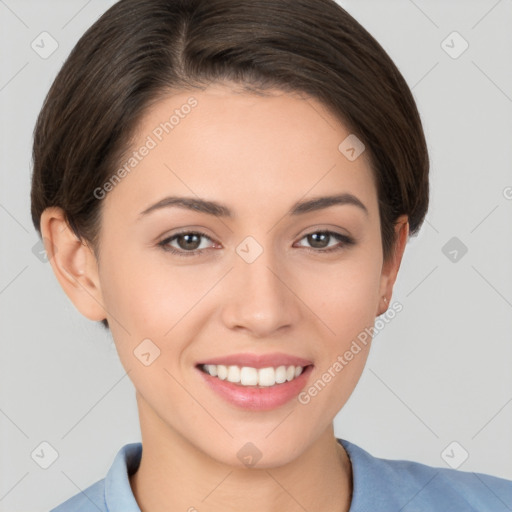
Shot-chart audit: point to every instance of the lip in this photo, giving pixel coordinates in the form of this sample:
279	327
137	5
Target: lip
258	360
255	398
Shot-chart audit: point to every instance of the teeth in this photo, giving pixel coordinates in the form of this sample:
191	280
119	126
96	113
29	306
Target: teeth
280	374
211	369
233	374
248	376
222	372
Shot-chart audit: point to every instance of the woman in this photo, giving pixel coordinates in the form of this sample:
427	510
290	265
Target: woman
229	186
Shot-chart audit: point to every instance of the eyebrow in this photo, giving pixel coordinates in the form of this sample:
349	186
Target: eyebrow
220	210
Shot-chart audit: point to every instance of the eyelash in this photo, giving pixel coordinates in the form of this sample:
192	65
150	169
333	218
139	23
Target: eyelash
346	241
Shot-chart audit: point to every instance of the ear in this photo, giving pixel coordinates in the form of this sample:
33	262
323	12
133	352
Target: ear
73	262
390	268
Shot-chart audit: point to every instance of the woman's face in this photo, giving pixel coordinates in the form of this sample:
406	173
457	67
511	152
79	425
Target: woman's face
257	288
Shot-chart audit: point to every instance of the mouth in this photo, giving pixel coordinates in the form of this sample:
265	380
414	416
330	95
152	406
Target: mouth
257	383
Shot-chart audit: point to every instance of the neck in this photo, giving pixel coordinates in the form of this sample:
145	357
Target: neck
175	475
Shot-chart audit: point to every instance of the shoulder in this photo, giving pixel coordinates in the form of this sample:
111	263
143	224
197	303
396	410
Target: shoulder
91	499
113	493
404	484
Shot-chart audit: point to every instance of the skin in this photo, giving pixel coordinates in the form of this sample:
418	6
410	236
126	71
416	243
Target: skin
258	156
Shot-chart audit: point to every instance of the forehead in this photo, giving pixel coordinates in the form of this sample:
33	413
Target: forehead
253	151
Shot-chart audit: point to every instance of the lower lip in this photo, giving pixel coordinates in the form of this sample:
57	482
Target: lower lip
258	398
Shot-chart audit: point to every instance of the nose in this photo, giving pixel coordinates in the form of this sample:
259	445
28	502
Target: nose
261	299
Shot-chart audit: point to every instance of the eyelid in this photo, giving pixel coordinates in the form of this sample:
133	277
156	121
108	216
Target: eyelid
163	243
345	240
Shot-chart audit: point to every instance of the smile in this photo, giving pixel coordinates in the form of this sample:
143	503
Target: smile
249	376
256	389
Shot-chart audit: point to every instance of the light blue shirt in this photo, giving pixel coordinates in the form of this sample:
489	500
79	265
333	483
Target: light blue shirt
379	485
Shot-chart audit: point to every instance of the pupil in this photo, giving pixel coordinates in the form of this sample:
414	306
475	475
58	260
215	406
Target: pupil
314	238
189	244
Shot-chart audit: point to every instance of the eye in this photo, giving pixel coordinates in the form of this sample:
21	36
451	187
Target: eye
188	242
319	241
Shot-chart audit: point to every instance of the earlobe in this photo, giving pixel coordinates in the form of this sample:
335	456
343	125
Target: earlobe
392	265
73	263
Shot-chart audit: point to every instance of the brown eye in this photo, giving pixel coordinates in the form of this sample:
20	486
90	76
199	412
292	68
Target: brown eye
321	240
188	243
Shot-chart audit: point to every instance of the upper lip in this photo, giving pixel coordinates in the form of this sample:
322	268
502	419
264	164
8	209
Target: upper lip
258	360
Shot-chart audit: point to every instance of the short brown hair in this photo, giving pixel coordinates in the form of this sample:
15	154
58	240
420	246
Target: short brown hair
139	50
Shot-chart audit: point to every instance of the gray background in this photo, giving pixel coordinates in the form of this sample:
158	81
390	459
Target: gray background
439	372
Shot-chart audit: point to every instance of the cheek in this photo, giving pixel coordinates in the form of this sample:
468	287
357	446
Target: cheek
145	293
345	301
149	298
344	296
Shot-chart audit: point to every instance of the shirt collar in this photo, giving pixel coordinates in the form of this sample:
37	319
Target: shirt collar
119	496
118	492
